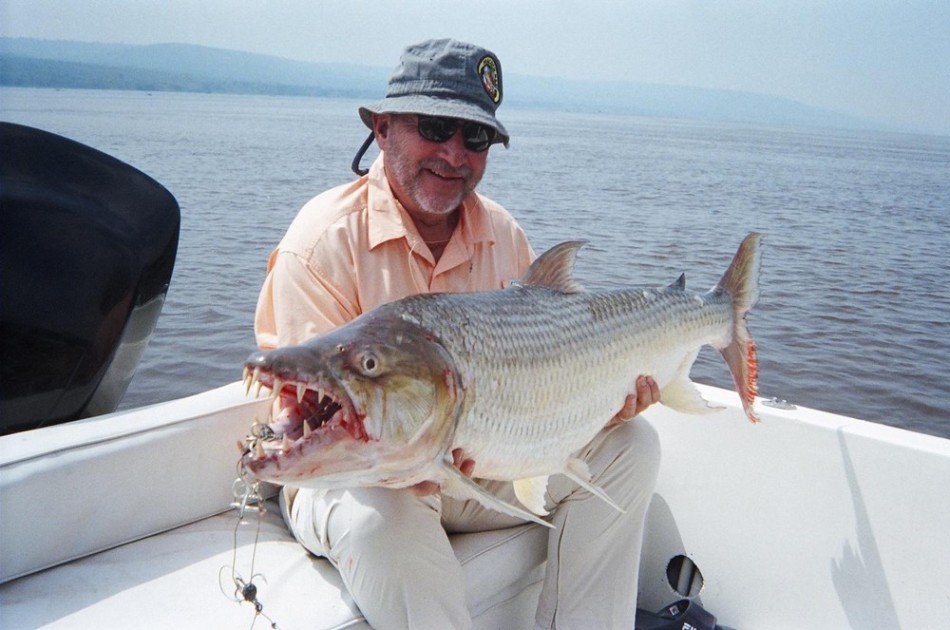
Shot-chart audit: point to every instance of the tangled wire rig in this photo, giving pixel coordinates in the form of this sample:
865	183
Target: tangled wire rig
247	498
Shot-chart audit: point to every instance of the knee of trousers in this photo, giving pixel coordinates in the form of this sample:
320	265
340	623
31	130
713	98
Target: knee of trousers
642	444
631	458
367	520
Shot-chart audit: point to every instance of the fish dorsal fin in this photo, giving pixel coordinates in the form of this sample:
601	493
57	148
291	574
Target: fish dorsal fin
554	269
679	283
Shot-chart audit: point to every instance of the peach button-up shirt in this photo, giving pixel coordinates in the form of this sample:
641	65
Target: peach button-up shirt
354	247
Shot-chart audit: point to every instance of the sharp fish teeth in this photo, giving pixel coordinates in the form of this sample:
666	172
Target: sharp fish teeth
258	450
306	429
301	390
246	379
257	388
278	385
285	444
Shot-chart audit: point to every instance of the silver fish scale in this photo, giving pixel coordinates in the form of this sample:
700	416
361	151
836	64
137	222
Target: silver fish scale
544	369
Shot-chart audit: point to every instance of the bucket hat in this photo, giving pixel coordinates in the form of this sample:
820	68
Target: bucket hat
444	77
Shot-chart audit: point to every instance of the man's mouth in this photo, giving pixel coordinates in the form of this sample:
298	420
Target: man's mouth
444	171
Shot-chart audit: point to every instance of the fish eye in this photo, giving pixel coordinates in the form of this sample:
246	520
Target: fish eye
369	363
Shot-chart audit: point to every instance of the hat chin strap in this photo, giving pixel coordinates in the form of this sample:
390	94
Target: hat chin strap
359	155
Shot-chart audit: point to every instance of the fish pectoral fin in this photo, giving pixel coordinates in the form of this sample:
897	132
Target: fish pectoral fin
683	396
531	491
457	485
578	472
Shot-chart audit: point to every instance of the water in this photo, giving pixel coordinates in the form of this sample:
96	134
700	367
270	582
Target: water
855	310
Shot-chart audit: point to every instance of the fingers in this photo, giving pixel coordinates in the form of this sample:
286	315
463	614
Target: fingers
628	411
646	392
466	466
424	488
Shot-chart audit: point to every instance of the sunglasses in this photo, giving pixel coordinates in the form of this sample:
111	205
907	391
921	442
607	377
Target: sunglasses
475	136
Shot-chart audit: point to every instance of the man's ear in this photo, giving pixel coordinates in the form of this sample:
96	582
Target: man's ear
381	127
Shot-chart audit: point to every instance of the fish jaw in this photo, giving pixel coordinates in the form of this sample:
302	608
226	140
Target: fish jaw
374	402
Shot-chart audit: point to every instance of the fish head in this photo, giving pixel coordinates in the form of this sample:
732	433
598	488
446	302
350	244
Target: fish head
374	402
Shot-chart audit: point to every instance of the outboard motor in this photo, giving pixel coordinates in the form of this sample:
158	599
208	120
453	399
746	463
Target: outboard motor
87	248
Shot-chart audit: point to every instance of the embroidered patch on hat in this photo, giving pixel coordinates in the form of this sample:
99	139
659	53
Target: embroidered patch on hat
488	71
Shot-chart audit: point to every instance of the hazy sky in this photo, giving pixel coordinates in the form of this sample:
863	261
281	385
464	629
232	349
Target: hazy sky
885	60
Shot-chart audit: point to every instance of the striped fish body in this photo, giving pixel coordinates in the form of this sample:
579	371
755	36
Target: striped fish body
518	379
545	370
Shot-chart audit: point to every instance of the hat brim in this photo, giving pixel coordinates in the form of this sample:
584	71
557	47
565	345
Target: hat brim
433	106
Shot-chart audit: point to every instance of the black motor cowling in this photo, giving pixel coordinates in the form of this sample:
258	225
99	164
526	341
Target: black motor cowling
87	248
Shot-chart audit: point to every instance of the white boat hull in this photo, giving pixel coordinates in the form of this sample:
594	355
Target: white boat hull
807	520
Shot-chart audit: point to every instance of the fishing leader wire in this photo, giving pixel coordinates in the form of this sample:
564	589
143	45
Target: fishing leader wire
247	497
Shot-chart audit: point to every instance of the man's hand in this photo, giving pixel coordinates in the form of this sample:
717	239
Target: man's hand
465	466
646	393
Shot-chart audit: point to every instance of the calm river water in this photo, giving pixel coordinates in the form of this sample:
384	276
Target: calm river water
855	310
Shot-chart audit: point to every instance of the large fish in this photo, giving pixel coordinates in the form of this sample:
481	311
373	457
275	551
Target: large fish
519	379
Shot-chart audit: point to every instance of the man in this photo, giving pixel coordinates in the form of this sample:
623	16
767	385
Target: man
414	223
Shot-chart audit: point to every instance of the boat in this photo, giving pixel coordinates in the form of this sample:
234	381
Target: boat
87	249
139	518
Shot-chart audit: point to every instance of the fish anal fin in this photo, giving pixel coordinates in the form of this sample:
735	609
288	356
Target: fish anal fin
681	394
578	472
457	485
531	491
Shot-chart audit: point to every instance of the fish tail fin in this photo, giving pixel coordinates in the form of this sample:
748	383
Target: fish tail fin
741	284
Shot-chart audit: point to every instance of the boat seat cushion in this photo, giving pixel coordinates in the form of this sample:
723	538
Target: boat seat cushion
114	519
183	578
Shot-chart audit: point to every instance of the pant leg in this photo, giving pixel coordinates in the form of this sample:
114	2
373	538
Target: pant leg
391	551
593	551
593	561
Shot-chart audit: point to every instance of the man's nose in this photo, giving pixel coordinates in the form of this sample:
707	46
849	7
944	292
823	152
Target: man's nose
454	151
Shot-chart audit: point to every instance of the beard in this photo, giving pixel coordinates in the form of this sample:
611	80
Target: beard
410	176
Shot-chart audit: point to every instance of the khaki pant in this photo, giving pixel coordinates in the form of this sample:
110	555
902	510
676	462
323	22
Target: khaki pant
392	549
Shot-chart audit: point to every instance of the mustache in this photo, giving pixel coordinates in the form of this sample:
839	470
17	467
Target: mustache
445	169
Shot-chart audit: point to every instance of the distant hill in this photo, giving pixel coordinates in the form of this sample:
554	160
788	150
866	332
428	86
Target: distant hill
188	68
177	67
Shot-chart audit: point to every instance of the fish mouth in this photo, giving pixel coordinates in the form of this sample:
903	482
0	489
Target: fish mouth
310	413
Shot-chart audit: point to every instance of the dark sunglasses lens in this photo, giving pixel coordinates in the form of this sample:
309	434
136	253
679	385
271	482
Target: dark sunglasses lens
477	137
435	129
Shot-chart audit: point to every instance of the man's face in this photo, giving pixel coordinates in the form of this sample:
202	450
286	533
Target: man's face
430	179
